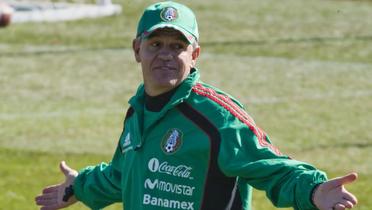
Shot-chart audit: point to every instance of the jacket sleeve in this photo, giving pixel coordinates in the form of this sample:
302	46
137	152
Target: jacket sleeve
99	186
246	152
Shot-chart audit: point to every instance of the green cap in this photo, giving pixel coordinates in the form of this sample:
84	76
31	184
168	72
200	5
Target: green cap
169	14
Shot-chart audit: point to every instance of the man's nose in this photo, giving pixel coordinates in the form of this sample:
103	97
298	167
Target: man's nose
165	54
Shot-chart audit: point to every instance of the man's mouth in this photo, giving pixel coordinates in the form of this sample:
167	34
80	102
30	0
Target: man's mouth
165	68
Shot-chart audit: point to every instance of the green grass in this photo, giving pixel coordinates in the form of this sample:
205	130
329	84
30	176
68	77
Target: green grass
301	68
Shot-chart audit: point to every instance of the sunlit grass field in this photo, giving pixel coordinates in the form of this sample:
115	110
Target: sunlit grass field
303	70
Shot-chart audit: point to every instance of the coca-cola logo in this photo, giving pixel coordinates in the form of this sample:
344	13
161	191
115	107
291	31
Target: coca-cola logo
182	171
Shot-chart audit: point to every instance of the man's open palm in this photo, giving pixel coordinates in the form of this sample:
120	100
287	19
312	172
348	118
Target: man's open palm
57	196
332	195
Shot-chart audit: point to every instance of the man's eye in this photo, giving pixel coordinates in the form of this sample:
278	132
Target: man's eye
178	46
155	44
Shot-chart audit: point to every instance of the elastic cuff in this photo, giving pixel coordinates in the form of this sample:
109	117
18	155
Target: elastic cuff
312	180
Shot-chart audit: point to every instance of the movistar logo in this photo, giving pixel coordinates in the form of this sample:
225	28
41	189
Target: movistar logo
173	188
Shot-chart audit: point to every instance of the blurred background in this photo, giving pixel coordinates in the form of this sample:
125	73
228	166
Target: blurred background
303	70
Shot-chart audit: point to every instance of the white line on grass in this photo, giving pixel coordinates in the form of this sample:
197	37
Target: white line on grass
61	113
314	97
250	100
279	59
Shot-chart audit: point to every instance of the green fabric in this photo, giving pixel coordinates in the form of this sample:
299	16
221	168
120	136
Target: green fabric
141	178
149	118
169	14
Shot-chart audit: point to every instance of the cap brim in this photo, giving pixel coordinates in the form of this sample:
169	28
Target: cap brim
190	38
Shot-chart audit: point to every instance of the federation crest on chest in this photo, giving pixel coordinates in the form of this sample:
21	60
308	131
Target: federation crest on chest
172	141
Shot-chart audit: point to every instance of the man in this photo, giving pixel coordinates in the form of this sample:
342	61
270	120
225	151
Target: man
188	145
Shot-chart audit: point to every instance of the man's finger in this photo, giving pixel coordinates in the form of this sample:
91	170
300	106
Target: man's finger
46	202
350	178
336	182
350	197
50	189
347	204
66	170
339	206
48	195
53	207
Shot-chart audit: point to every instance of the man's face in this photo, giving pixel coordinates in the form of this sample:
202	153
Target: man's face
166	59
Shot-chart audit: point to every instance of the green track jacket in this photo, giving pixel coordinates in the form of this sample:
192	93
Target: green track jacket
201	151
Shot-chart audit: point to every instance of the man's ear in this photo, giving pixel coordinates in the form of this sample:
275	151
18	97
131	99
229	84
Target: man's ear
195	55
136	48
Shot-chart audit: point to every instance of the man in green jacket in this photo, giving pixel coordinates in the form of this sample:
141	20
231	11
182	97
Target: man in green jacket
188	145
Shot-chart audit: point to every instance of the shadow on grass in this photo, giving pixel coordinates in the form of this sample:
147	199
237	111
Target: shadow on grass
290	40
360	145
204	44
57	51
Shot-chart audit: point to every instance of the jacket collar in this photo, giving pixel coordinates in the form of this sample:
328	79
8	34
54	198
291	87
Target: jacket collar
182	93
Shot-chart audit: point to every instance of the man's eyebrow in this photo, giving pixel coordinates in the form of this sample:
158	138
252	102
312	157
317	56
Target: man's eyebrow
178	36
182	39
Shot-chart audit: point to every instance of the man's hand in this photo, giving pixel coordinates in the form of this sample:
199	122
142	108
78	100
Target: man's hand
61	195
332	195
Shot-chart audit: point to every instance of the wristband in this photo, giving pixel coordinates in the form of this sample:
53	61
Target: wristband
69	192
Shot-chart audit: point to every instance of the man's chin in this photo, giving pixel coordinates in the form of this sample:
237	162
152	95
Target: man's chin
165	86
171	83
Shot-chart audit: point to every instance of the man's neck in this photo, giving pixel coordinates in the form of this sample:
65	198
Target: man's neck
156	103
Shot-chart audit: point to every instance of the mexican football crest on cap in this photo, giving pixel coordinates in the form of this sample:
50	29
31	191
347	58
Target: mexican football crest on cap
169	14
172	141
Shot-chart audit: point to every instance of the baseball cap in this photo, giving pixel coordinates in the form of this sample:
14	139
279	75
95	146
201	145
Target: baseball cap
169	14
